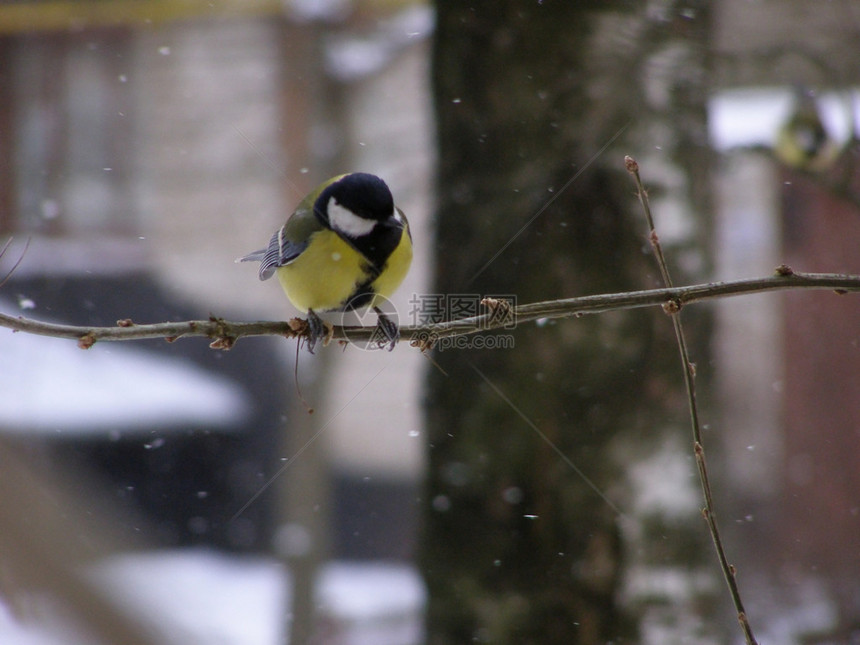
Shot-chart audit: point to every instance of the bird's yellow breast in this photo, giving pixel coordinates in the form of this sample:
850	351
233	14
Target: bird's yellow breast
329	272
325	275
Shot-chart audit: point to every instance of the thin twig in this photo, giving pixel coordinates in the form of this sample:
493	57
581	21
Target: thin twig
17	262
224	334
674	310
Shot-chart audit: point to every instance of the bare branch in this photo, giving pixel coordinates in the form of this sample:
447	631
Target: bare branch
689	368
224	334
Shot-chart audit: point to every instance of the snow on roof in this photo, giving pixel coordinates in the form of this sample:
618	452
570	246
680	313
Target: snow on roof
752	116
49	385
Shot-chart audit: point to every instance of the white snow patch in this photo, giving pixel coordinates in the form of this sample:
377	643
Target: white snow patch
664	483
201	596
49	385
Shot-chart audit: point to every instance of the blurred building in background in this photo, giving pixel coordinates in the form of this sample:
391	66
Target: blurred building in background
144	146
785	118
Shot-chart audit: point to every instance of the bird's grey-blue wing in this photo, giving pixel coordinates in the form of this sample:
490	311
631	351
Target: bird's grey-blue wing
289	241
280	252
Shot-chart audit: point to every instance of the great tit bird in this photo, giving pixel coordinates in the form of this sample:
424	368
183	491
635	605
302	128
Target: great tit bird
802	141
345	247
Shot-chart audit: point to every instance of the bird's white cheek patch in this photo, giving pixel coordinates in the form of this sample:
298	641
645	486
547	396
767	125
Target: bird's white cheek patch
344	220
335	257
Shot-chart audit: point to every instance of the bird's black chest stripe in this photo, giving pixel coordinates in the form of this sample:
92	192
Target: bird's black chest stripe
378	245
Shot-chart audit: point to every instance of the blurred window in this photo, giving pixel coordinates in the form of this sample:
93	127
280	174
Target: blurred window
70	124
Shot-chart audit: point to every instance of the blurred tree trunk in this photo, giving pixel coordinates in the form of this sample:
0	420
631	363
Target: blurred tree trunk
518	547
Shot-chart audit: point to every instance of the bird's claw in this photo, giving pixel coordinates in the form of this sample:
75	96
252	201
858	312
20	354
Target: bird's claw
317	330
387	332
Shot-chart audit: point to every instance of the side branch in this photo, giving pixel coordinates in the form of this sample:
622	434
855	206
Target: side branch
224	334
674	308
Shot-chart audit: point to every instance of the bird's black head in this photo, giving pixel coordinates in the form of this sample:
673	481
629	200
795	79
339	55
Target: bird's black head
364	194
